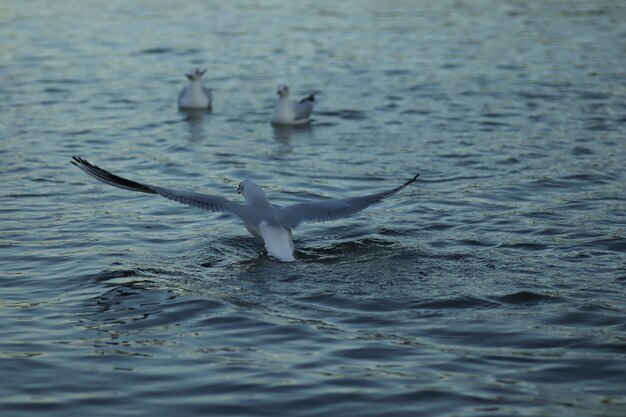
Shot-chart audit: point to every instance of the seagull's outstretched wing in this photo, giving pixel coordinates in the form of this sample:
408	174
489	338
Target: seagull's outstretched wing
304	108
327	210
203	201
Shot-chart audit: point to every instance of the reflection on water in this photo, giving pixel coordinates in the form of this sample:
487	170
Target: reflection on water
196	119
283	133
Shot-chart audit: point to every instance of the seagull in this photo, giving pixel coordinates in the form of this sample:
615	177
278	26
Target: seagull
273	224
287	112
195	96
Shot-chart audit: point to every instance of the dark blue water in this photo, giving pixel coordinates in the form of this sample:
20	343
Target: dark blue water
494	286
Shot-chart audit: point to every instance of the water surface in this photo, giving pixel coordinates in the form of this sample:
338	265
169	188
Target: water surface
494	286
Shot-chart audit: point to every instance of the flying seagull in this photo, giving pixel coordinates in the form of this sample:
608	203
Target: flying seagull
271	223
287	112
195	96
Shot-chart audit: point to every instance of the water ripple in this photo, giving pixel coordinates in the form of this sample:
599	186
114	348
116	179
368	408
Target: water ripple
492	286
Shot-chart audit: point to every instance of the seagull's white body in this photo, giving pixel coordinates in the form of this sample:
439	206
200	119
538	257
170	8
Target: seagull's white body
277	241
195	96
261	218
266	223
287	112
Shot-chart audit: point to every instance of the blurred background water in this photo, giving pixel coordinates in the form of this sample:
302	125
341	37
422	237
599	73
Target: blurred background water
494	286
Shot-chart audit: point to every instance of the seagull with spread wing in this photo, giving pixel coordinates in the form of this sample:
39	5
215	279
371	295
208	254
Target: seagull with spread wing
271	223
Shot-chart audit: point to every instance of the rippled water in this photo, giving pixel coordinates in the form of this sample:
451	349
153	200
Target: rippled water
494	286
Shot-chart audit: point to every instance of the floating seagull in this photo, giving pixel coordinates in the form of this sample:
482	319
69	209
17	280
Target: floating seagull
292	113
195	96
271	223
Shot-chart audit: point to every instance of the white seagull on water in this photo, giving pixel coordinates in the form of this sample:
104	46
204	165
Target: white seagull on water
271	223
195	96
287	112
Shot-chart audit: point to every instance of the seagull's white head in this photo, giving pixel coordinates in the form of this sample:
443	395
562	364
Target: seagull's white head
251	192
282	90
196	75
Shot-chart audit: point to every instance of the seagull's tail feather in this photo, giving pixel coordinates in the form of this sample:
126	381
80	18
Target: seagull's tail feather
109	178
311	97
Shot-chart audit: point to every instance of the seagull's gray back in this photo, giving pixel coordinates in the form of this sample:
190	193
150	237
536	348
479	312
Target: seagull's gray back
303	109
258	207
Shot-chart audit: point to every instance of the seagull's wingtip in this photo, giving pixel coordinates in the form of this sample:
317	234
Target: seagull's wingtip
77	160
